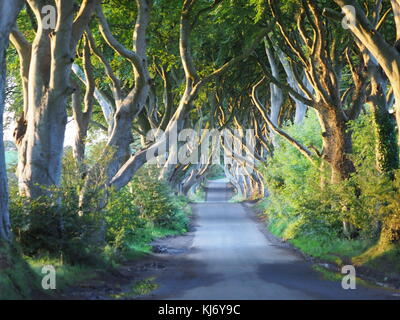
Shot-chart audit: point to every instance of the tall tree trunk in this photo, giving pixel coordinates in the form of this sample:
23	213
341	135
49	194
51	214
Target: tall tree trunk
337	143
52	55
8	14
127	108
121	136
386	146
4	214
275	91
386	149
82	118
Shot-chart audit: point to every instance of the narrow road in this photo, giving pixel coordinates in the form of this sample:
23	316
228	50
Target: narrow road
231	258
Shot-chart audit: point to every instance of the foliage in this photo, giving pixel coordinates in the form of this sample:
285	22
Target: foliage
307	210
57	228
45	227
296	197
215	172
302	195
146	203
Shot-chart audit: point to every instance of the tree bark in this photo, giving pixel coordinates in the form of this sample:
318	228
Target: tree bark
275	92
82	117
105	104
386	147
132	105
337	143
301	107
9	11
323	71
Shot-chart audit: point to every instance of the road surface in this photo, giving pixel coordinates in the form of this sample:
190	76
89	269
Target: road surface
231	258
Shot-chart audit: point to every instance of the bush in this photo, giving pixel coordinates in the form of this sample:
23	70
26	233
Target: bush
53	227
144	205
296	199
45	228
57	228
122	220
306	206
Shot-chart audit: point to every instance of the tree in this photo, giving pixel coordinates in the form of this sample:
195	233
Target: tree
323	66
46	70
386	54
193	83
9	11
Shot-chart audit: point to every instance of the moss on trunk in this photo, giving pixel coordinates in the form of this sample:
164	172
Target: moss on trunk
387	152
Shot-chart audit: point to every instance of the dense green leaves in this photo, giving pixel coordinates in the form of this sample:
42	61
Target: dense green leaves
145	203
307	204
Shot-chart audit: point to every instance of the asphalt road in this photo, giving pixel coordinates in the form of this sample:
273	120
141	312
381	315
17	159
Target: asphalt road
230	258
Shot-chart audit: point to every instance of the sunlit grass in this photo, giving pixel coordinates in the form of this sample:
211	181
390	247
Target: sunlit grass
383	257
66	275
328	249
139	288
336	276
323	247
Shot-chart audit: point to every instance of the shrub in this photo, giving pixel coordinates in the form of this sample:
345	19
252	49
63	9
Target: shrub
58	228
155	199
43	227
122	220
53	226
309	207
145	204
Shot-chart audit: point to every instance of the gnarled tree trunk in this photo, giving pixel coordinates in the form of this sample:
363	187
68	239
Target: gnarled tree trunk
337	143
52	54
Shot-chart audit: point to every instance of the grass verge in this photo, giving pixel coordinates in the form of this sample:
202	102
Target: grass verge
377	261
17	279
21	277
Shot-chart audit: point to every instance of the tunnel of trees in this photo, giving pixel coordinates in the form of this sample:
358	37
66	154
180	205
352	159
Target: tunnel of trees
317	82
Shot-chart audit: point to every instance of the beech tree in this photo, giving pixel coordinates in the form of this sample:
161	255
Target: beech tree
9	11
193	84
45	69
386	54
47	86
323	68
